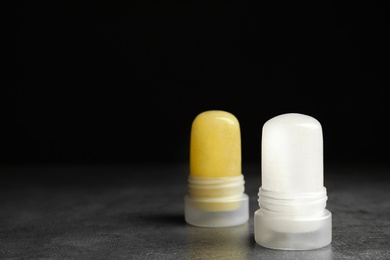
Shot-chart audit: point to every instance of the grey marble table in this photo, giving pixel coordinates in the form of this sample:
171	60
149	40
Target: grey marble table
136	212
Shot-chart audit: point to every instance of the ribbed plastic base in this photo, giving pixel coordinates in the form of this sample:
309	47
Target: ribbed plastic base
293	233
196	215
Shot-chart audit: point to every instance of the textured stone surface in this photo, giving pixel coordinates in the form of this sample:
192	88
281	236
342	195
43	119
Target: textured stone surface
136	212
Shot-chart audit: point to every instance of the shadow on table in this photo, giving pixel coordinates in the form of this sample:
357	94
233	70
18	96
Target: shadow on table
170	219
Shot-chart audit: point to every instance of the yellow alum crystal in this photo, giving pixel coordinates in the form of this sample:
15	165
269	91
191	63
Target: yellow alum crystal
215	161
216	192
215	149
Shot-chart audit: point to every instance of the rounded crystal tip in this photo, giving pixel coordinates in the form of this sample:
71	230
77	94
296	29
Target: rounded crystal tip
292	154
215	148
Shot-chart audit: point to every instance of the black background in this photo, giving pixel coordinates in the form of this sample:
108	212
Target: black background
122	84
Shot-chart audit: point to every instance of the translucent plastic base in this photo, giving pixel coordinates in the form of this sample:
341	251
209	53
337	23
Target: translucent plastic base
197	214
292	232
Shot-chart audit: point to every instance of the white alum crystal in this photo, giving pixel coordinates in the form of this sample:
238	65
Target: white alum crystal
292	198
